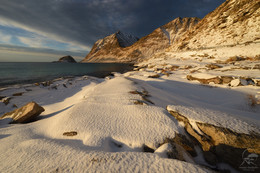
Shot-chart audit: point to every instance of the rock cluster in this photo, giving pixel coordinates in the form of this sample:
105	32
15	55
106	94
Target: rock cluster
231	81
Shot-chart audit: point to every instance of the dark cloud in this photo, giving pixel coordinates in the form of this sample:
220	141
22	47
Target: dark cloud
84	21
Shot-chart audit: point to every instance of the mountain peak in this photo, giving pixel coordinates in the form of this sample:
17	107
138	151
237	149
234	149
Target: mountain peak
125	40
233	22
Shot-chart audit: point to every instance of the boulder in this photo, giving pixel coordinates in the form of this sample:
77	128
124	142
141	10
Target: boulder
24	114
238	82
220	144
226	79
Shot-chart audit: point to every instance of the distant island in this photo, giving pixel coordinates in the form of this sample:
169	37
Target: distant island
66	59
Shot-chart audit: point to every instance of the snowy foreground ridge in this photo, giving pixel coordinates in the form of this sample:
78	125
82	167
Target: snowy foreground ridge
123	123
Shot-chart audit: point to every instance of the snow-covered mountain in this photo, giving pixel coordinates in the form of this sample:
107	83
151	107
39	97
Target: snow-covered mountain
235	22
112	43
232	23
119	47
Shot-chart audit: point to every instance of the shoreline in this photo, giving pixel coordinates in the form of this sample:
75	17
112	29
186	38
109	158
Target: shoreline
138	116
99	74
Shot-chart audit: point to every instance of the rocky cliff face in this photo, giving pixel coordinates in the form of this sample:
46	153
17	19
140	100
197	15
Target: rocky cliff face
120	48
234	22
109	48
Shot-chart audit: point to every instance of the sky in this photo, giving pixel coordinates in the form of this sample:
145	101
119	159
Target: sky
44	30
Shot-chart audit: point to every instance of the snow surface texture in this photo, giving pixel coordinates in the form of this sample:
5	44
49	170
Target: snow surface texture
112	129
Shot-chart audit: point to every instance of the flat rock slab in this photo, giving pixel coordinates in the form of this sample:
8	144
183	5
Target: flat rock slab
24	114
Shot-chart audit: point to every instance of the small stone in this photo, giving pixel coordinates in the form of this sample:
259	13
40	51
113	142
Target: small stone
226	79
71	133
18	94
243	82
6	100
257	66
250	81
238	82
213	66
154	76
139	102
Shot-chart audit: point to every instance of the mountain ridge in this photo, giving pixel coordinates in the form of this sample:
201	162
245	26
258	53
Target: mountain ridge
160	39
234	22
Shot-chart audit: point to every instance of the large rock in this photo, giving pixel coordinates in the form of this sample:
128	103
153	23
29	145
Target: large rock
24	114
238	82
221	144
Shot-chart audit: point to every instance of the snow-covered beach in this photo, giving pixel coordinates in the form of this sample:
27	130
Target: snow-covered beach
123	123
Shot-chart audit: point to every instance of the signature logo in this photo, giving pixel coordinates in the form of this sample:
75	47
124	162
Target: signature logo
249	161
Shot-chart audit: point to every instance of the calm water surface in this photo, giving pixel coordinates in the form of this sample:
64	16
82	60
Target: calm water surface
25	73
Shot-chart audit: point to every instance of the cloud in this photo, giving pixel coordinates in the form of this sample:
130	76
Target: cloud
82	22
21	49
5	38
31	42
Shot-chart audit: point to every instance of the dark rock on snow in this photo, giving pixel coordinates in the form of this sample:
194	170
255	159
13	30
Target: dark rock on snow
72	133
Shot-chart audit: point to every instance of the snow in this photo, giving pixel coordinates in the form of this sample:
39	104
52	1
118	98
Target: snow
163	150
167	34
218	118
203	76
112	129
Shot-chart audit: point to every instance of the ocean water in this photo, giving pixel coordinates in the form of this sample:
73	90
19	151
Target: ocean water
26	73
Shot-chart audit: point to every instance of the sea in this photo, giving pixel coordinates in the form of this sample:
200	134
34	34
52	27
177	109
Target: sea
16	73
